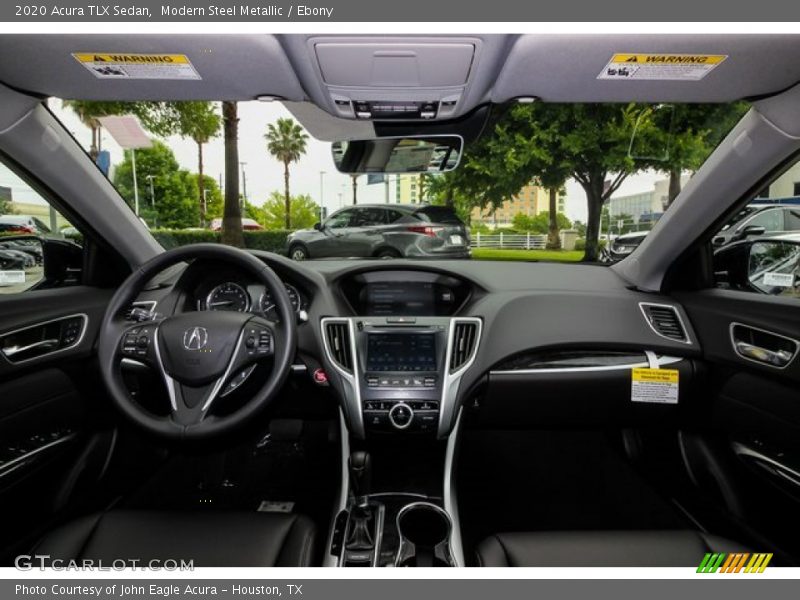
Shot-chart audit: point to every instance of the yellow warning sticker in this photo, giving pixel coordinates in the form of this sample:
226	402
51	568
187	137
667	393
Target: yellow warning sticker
659	386
109	65
666	67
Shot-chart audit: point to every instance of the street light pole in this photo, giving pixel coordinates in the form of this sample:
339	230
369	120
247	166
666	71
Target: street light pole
244	183
321	196
135	185
152	193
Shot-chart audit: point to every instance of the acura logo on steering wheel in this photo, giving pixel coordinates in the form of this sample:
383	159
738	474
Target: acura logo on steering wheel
195	338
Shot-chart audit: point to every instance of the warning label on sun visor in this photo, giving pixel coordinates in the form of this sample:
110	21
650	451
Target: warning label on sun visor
137	66
658	386
667	67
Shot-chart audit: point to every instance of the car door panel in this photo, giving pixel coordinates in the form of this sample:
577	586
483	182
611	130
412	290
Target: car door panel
753	412
48	408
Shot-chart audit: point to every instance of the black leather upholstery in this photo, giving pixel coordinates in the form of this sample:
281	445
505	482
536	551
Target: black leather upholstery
210	539
601	549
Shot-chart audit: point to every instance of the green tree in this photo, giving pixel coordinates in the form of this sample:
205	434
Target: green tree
212	208
539	224
305	212
174	190
5	206
588	141
198	120
286	141
689	133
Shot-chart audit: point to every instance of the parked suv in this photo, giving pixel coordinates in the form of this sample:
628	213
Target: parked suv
384	231
759	220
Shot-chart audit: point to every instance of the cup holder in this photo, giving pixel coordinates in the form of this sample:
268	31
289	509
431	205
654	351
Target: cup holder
424	531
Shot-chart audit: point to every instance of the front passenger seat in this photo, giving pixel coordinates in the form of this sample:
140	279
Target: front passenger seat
601	549
210	539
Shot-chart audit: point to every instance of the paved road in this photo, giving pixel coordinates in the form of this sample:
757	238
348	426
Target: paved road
32	275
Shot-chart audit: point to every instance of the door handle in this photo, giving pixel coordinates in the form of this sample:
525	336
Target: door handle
44	344
776	358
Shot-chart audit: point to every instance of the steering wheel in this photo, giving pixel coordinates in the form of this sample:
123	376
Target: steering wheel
196	353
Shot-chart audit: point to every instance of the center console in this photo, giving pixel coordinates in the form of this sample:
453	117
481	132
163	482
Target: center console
400	374
398	369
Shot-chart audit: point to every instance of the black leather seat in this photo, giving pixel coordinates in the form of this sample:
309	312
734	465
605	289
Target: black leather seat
210	539
601	549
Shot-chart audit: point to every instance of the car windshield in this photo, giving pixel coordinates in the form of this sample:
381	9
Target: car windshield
554	182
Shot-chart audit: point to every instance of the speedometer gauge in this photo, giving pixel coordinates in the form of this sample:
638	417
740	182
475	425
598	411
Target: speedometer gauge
268	302
228	296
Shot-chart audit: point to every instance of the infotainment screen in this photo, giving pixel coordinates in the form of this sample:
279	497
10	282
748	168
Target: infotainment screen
400	298
401	352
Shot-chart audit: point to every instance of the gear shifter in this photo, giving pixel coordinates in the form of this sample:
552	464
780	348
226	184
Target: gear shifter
360	465
360	544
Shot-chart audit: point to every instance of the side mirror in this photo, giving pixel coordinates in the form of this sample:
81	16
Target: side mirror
752	230
21	263
318	226
773	267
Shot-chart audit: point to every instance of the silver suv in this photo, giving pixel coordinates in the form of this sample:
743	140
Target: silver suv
383	231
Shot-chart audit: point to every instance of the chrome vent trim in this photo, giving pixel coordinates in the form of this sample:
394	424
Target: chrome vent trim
465	343
665	321
337	337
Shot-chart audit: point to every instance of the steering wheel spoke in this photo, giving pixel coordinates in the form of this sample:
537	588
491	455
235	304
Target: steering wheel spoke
138	342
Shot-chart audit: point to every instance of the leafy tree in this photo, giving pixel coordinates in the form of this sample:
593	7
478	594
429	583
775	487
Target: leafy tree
212	208
174	190
196	120
305	212
286	141
533	141
232	213
539	224
689	133
5	206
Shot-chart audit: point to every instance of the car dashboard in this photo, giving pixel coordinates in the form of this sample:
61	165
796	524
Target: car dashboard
406	344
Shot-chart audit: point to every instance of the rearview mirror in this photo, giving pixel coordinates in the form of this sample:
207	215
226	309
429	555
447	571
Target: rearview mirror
773	267
423	154
318	226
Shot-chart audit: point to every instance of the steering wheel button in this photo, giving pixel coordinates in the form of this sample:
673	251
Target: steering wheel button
250	342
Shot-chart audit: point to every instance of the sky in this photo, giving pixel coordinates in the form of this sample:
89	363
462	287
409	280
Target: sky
264	174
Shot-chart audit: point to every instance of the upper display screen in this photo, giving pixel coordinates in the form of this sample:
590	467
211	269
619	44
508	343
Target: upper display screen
387	298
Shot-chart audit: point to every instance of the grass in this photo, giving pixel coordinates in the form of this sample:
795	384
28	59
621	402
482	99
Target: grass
506	254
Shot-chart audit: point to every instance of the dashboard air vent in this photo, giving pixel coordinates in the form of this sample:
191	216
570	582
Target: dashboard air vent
338	339
665	321
465	339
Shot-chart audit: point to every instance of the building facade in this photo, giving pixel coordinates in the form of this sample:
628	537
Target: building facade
530	201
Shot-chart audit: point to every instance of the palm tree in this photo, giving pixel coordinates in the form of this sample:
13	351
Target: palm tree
232	215
201	122
286	141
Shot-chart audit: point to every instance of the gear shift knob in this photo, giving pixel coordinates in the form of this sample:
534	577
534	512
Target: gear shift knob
360	465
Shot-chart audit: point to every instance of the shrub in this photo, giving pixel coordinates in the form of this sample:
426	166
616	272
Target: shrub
580	244
270	241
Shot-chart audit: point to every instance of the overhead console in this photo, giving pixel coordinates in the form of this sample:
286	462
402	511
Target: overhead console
395	78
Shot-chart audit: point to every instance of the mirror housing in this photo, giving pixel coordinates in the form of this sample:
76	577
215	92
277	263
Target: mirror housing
318	226
752	230
407	154
770	266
